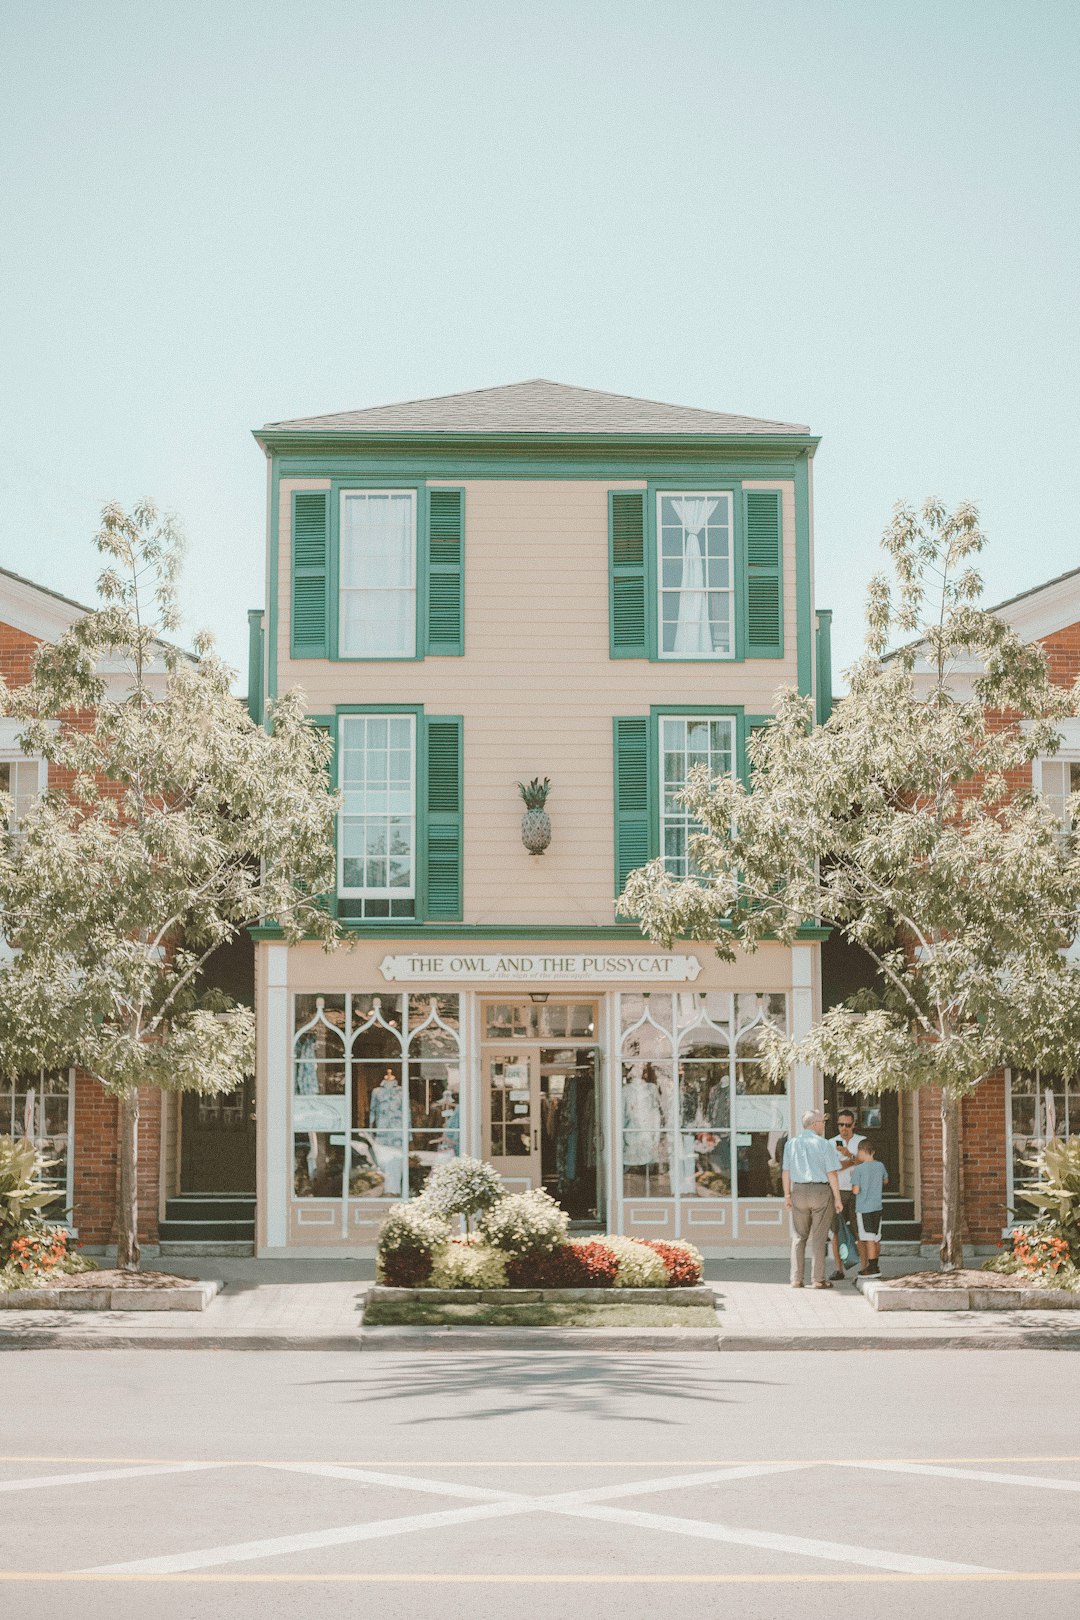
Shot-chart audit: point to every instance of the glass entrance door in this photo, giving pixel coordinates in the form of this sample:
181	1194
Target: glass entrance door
571	1146
512	1117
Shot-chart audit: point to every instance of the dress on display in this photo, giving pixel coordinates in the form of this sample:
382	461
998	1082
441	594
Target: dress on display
385	1115
642	1122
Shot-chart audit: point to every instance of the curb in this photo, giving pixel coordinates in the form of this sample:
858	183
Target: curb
540	1341
194	1298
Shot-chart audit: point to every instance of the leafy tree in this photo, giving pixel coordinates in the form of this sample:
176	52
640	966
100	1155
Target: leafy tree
902	823
171	824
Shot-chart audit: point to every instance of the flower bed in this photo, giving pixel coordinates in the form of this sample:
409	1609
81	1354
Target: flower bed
521	1241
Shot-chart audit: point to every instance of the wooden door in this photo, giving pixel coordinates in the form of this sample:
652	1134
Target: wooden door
512	1117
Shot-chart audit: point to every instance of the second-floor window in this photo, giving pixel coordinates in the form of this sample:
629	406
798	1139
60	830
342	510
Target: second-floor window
1058	779
696	578
377	844
687	741
377	599
20	779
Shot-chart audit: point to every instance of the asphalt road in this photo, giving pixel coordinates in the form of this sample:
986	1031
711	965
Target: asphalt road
256	1486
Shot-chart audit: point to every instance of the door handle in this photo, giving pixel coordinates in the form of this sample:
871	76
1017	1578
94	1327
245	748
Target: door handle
536	1139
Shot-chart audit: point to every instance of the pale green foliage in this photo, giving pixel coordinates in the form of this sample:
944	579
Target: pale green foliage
639	1267
1057	1194
524	1223
893	823
23	1195
185	824
468	1265
462	1187
413	1228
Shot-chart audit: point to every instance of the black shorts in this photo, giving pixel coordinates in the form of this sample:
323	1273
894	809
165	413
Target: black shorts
869	1225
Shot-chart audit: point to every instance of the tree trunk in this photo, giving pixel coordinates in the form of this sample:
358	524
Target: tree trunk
952	1210
127	1185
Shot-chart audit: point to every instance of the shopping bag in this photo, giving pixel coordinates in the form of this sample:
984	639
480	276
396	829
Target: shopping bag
849	1249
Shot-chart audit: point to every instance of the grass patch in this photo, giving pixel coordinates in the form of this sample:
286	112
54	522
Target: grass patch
419	1313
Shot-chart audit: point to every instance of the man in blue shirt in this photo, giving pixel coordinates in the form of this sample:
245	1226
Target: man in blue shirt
811	1178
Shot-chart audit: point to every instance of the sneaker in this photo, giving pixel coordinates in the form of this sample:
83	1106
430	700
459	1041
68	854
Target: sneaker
838	1276
823	1285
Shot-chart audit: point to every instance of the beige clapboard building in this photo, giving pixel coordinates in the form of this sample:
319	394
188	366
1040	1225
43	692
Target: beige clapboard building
526	583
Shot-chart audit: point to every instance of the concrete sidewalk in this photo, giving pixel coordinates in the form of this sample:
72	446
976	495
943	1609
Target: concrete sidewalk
318	1305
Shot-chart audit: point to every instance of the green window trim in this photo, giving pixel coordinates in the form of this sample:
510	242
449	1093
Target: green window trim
757	561
636	767
439	778
315	574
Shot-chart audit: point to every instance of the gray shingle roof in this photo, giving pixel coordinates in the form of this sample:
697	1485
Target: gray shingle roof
536	407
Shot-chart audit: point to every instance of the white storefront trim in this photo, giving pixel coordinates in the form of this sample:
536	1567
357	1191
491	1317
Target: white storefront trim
278	1094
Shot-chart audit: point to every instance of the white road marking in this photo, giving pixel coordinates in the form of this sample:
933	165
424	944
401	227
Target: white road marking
1037	1482
40	1481
675	1482
242	1551
405	1482
837	1552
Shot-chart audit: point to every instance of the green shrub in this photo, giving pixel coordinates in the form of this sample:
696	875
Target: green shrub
462	1187
23	1196
410	1238
524	1223
468	1265
1057	1194
639	1266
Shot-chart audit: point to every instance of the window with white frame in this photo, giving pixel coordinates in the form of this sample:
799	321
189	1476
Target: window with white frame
21	780
1042	1107
377	574
696	580
1057	779
687	741
376	1092
377	842
701	1115
39	1108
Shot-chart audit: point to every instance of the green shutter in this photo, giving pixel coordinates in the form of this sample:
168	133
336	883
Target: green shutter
753	723
443	819
764	580
310	568
633	798
446	586
629	596
329	724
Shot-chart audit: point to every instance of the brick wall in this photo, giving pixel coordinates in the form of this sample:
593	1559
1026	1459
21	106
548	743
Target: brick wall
95	1155
982	1167
96	1137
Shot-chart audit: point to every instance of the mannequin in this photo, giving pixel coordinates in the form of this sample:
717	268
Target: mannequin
385	1116
642	1118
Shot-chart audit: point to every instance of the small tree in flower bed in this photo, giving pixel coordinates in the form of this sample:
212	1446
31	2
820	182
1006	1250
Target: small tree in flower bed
463	1187
587	1263
684	1263
410	1238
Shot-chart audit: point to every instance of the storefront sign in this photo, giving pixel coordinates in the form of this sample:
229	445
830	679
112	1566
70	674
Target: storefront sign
515	968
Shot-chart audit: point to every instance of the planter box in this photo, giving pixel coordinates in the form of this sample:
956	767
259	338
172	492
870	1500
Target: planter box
886	1296
701	1295
194	1298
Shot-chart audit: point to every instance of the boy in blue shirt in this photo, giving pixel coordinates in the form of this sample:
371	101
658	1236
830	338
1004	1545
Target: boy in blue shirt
868	1182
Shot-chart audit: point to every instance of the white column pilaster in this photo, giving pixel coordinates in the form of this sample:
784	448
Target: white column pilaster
806	1093
276	1125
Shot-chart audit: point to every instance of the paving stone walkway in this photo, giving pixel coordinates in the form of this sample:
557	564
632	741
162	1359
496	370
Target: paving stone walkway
317	1305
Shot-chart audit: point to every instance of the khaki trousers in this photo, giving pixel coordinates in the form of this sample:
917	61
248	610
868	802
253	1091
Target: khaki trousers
811	1216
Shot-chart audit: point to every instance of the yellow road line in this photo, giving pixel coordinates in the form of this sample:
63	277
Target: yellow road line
518	1462
369	1577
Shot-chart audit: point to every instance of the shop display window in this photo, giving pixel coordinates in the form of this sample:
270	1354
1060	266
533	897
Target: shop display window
1041	1107
700	1116
376	1093
38	1106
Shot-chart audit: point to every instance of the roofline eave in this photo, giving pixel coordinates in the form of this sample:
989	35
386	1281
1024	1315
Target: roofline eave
323	440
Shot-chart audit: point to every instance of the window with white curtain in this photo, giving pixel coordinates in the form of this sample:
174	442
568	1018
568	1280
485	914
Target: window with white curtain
377	574
696	584
21	780
377	843
1058	778
686	741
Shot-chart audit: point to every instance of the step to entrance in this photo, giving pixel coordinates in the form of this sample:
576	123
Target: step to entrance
209	1218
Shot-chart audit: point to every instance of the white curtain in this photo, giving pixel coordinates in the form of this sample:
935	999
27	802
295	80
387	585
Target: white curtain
378	591
692	632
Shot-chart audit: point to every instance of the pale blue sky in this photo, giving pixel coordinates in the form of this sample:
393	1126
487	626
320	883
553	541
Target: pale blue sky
861	216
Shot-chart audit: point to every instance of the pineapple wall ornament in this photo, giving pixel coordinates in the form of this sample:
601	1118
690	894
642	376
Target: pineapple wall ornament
535	823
